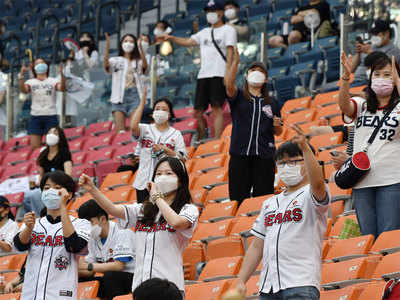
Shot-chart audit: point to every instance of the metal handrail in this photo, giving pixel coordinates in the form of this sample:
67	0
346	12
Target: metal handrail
118	19
56	40
38	25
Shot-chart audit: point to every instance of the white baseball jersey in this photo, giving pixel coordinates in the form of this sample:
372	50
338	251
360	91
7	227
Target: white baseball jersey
159	247
385	165
52	271
43	96
8	231
292	227
150	135
119	243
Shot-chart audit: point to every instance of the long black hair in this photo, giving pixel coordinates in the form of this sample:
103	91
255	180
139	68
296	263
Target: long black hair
372	101
135	55
63	148
182	196
33	66
92	46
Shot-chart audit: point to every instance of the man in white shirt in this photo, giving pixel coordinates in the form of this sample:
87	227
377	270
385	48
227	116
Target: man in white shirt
290	229
216	52
111	252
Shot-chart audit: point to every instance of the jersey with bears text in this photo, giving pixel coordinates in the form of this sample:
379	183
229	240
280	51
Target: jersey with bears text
159	247
51	271
385	166
292	227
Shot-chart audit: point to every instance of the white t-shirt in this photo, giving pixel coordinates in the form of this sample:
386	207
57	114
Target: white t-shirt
212	63
159	247
43	96
52	271
292	227
119	243
8	231
150	135
385	165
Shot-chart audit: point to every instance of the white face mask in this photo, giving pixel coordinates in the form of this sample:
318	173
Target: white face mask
160	116
128	47
52	139
290	176
212	18
368	72
166	183
95	231
256	78
376	41
230	13
145	46
157	31
51	198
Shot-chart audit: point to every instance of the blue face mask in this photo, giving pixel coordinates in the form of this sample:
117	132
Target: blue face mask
51	198
41	68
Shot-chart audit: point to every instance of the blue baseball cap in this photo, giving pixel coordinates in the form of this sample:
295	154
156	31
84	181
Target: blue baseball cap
214	5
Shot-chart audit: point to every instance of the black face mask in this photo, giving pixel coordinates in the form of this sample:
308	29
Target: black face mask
85	44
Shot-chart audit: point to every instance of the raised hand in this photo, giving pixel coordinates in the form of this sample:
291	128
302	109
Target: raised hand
346	63
277	121
86	182
107	40
60	69
300	138
29	220
24	69
241	287
64	196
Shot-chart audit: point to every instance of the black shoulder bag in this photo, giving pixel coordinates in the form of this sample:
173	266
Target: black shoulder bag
216	45
358	165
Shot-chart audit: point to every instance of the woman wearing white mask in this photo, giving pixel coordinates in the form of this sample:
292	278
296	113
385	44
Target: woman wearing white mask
43	89
164	222
255	121
155	140
126	70
231	13
376	196
54	243
55	156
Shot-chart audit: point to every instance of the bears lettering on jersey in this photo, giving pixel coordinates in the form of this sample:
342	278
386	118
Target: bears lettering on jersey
40	239
290	215
373	121
148	143
155	227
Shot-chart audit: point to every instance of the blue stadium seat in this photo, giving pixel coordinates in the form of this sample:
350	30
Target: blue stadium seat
333	64
186	92
297	49
285	88
195	6
169	92
190	70
285	4
313	55
280	15
183	24
259	10
172	17
277	72
303	71
282	61
325	43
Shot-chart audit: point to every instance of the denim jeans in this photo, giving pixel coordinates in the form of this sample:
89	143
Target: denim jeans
296	293
129	104
378	208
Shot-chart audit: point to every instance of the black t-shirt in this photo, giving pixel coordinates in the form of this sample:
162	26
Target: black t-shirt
57	163
324	14
252	126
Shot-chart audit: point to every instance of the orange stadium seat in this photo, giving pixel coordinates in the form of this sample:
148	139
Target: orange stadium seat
387	242
350	248
337	228
306	127
329	111
213	177
388	267
343	273
326	140
88	290
17	261
120	194
336	208
218	211
337	192
373	291
192	255
348	293
77	171
189	165
336	121
328	228
209	148
221	268
198	196
124	297
211	162
14	296
206	231
295	105
218	193
207	290
325	99
300	117
329	171
242	224
227	132
117	179
252	206
224	247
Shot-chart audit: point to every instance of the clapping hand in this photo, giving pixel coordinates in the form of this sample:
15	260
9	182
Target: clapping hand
346	63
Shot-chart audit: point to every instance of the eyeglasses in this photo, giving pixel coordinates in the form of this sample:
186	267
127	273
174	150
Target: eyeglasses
290	163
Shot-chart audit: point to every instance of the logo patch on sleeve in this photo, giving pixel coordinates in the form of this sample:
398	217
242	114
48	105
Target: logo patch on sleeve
64	293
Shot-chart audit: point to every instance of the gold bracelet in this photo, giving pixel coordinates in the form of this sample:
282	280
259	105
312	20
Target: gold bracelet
155	197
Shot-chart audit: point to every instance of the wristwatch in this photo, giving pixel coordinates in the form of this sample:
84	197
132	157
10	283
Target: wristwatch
90	267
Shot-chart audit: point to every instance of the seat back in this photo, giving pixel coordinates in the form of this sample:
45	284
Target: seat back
221	267
218	210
